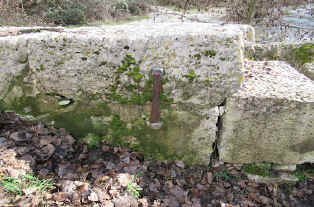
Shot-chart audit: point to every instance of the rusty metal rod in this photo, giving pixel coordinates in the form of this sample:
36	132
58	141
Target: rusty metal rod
155	114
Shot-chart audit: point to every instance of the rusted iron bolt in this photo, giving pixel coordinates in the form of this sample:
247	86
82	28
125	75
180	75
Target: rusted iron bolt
157	73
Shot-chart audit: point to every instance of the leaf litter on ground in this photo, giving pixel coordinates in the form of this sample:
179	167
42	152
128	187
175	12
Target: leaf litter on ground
76	175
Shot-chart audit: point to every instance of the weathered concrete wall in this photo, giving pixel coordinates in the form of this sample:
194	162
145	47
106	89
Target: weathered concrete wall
97	81
271	118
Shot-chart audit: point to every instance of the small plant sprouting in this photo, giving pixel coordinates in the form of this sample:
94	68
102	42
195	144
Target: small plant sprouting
133	188
40	184
17	185
139	173
300	175
12	185
223	174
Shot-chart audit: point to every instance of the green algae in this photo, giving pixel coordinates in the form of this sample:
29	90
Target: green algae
91	119
78	121
170	142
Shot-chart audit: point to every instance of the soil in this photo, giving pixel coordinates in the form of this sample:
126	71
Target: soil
114	176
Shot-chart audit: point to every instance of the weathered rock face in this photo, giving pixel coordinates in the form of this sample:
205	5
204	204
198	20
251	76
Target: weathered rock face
308	70
271	119
99	82
13	62
299	55
96	83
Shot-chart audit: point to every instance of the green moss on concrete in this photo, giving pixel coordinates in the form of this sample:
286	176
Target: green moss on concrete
190	76
78	121
305	53
197	56
132	93
118	131
171	142
20	105
91	120
76	118
263	169
135	74
41	67
210	53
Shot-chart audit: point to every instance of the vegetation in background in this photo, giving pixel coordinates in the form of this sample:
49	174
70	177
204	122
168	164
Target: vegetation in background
68	12
72	12
250	11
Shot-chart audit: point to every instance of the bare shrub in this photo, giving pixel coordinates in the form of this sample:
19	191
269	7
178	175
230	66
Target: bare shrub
65	12
12	13
190	4
250	11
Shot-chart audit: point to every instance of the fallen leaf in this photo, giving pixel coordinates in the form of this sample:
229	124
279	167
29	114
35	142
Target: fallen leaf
61	196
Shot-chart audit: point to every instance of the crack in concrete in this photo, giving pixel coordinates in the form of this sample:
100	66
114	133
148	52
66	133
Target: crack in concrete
214	157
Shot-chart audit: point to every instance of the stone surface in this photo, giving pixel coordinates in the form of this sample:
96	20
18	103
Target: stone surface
290	168
308	69
271	119
78	62
299	55
104	73
13	62
280	178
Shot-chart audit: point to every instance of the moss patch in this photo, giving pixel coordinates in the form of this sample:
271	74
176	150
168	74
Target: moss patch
210	53
171	142
263	169
305	53
190	76
92	140
78	121
132	92
91	120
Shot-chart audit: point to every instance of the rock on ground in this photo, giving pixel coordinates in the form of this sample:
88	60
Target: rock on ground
299	55
98	66
271	119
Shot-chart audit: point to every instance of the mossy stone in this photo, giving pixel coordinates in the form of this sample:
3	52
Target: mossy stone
305	53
